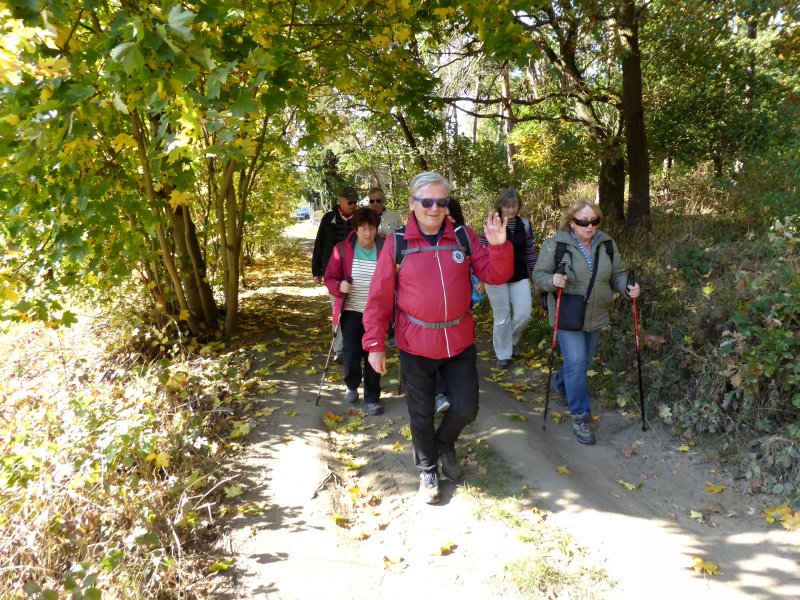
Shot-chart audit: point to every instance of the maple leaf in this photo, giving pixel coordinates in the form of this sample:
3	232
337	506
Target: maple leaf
405	431
563	470
177	199
715	489
233	491
702	566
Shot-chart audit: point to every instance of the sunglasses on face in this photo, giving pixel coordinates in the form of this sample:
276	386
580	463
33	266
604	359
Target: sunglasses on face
429	202
586	222
374	200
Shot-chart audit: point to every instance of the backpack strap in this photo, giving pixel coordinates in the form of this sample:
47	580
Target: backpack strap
401	249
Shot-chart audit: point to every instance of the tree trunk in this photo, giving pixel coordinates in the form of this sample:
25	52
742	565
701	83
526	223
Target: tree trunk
633	114
611	189
411	141
511	122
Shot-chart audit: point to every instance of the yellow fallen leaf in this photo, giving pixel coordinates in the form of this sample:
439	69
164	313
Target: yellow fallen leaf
715	489
696	514
397	447
777	513
265	412
684	448
519	418
355	493
221	565
639	442
591	373
702	566
389	563
184	315
362	535
563	470
341	521
162	460
447	548
290	413
557	418
792	522
627	485
405	431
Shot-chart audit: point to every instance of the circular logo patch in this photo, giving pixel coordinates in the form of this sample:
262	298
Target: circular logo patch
458	256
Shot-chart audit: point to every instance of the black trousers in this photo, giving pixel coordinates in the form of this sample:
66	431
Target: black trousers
460	375
353	356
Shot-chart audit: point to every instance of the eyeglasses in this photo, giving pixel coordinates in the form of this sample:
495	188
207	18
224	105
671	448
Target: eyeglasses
374	200
429	202
586	222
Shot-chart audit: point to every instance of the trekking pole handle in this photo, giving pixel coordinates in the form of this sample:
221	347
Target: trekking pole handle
631	278
632	282
561	269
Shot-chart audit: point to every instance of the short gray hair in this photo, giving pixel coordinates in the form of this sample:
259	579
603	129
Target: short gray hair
428	178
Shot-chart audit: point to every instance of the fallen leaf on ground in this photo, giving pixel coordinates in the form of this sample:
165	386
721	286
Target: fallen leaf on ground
265	412
777	513
684	448
405	431
639	442
341	521
563	470
557	418
397	447
355	493
696	514
233	491
390	563
221	565
792	523
628	452
447	548
519	418
630	486
715	489
702	566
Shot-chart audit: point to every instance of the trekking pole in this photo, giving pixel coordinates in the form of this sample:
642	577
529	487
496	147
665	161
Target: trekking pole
330	350
561	270
632	282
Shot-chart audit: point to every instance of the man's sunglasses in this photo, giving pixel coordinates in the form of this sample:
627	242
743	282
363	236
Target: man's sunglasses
374	200
429	202
586	222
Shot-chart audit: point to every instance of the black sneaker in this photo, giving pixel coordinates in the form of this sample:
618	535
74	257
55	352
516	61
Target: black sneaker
504	363
516	354
429	491
374	408
337	358
580	427
560	394
450	466
351	397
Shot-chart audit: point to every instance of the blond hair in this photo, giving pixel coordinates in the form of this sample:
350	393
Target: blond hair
573	209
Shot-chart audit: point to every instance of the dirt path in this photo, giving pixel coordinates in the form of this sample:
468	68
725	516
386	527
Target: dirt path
342	519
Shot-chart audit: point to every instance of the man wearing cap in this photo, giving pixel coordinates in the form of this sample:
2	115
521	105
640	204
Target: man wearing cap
390	219
333	228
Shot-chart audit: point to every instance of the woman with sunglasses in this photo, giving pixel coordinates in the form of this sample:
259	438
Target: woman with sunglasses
434	329
585	251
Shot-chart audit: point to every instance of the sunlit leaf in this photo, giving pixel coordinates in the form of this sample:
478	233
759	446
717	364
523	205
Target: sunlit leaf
563	470
696	514
221	565
777	513
405	431
702	566
232	491
341	521
355	493
792	522
715	489
631	486
591	373
447	548
684	448
397	447
557	418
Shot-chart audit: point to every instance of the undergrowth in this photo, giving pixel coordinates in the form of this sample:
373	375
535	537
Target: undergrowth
107	474
719	329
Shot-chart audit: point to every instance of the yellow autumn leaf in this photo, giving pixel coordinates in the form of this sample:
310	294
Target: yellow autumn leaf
177	199
591	373
389	563
792	522
355	493
11	119
123	140
447	548
402	33
290	413
684	448
563	470
184	315
777	513
557	418
703	566
627	485
381	41
519	418
265	412
696	514
341	521
397	447
714	489
405	431
162	460
707	290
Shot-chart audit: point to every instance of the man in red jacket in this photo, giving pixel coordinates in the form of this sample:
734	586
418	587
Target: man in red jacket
434	329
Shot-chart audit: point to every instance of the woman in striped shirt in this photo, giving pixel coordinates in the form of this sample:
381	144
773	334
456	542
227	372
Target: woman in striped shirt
348	277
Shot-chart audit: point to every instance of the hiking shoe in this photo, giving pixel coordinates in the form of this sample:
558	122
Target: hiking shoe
337	358
442	403
351	397
560	393
516	354
580	427
504	363
450	466
429	487
374	408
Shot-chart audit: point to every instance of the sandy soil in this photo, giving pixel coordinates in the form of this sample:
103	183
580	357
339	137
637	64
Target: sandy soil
388	545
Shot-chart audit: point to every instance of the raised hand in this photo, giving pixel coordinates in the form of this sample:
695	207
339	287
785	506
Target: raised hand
495	229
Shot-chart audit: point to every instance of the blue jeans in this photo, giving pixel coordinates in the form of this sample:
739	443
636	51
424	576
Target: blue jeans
577	349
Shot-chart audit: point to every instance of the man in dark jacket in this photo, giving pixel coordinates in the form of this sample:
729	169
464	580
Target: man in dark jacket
333	228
